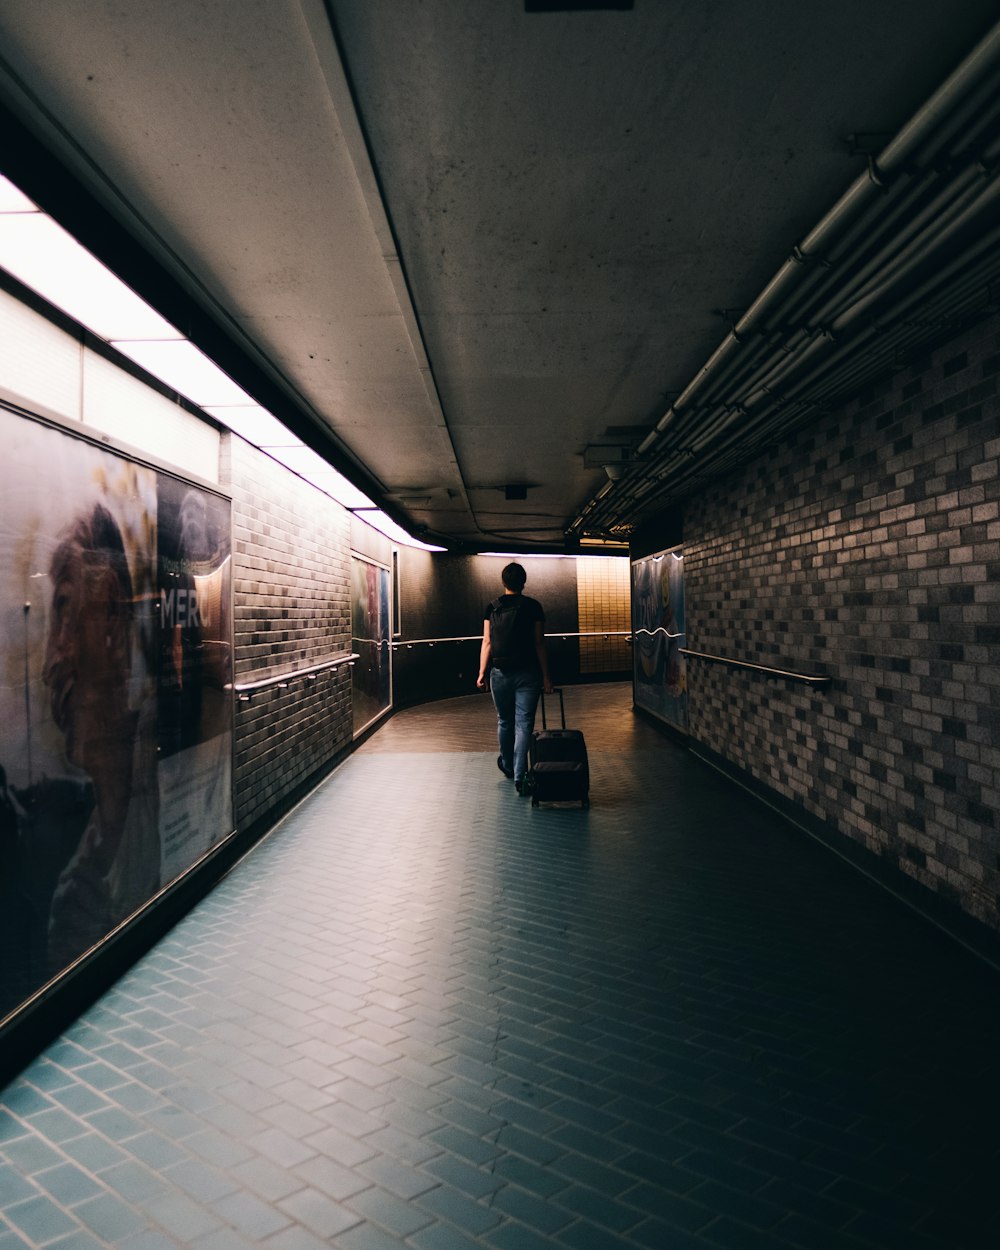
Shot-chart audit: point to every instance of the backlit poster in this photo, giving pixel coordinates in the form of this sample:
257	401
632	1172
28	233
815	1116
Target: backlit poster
658	634
88	798
370	625
194	672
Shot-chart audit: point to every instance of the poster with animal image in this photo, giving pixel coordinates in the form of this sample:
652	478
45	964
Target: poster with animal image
84	796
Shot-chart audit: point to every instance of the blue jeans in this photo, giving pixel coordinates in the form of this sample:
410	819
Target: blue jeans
515	697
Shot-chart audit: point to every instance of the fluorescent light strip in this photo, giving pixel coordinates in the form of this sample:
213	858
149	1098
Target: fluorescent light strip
13	200
321	474
385	525
253	423
185	368
46	258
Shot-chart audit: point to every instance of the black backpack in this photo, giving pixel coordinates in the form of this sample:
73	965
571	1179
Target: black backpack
506	643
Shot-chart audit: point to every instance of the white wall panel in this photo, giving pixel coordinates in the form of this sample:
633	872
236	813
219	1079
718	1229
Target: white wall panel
39	363
124	408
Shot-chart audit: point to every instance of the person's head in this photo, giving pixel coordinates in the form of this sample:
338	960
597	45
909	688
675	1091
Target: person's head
514	577
195	538
88	650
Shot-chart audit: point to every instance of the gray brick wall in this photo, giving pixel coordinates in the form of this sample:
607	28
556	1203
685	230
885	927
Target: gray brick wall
291	593
868	547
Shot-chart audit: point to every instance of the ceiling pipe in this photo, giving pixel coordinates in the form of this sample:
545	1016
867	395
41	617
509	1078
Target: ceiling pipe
905	266
930	231
952	293
822	272
784	367
938	283
944	207
888	219
866	189
970	117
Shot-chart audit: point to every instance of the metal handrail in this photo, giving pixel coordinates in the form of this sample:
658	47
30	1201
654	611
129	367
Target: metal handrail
246	690
805	679
557	633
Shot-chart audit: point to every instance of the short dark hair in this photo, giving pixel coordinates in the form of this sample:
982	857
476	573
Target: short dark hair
514	577
95	540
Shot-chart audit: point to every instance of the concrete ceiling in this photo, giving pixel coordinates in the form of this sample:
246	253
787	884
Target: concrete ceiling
464	241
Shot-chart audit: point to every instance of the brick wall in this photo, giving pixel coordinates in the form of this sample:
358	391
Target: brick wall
291	608
868	548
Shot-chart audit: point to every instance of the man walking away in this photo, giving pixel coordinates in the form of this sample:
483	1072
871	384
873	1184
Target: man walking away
513	654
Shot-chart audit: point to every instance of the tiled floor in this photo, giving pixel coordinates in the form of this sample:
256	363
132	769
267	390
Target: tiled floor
424	1014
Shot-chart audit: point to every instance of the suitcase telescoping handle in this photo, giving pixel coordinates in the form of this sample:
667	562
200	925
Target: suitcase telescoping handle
562	707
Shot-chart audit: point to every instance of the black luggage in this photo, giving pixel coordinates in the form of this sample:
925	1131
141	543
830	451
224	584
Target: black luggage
558	769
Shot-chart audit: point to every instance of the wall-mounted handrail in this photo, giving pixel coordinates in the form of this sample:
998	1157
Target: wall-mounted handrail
556	633
247	689
805	679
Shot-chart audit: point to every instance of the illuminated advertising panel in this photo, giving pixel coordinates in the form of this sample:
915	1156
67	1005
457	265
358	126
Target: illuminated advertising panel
370	629
658	636
115	693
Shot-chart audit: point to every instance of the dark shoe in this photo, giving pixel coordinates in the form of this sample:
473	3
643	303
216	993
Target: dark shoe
507	772
519	785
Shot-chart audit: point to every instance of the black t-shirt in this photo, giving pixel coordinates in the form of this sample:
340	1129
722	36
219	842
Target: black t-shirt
512	639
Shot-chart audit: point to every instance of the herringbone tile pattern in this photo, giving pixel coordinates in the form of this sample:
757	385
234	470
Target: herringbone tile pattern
423	1014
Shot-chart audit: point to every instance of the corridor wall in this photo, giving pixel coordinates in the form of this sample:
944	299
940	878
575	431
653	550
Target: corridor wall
292	610
89	435
867	547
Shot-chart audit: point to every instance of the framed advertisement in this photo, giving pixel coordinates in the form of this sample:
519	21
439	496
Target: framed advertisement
660	671
115	692
371	640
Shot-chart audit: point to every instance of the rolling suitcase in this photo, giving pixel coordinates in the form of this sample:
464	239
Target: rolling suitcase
558	768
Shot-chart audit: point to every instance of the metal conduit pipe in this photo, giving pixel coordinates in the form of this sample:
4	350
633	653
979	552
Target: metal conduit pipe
803	347
886	205
830	381
947	204
717	411
982	120
975	292
763	423
821	343
906	268
982	248
850	374
969	74
970	117
685	472
896	330
957	295
714	422
879	217
805	265
974	69
934	231
862	192
962	190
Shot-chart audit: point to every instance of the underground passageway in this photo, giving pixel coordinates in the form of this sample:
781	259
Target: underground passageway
422	1013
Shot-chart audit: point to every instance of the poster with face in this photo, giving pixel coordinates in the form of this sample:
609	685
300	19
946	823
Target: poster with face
84	794
194	672
658	633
